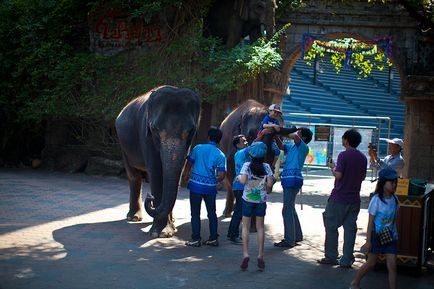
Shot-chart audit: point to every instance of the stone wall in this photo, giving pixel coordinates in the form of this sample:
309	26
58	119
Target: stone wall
419	129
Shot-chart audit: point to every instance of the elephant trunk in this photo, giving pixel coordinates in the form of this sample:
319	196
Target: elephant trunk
172	154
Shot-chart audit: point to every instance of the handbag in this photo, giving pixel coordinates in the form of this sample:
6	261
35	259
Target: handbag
385	236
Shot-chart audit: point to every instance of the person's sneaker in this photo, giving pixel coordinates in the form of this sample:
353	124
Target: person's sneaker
193	243
213	243
236	241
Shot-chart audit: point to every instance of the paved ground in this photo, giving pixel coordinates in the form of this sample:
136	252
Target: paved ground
69	231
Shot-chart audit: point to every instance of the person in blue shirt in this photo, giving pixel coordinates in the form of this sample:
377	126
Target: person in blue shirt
203	164
271	122
394	160
383	210
241	156
292	181
271	129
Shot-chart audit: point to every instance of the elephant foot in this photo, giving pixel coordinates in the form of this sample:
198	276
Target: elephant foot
227	213
137	217
168	232
134	219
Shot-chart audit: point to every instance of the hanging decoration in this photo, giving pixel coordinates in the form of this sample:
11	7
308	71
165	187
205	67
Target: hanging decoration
346	52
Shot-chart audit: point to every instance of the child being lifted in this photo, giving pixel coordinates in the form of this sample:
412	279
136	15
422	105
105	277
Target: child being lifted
270	129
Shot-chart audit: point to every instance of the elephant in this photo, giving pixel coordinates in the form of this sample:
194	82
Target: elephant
233	20
155	132
246	120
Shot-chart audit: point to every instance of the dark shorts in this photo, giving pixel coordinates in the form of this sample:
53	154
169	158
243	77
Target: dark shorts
377	248
258	209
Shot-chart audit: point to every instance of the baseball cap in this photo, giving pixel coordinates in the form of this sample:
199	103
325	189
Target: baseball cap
396	141
257	150
275	107
388	174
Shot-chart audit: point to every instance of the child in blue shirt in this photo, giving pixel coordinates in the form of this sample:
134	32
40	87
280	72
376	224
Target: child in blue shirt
271	128
202	164
382	210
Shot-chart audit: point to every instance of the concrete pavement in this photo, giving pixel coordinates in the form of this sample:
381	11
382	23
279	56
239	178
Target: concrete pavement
69	231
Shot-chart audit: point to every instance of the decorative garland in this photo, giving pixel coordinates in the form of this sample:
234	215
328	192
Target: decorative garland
348	46
345	48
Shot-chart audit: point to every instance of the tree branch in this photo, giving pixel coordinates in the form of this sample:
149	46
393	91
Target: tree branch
416	15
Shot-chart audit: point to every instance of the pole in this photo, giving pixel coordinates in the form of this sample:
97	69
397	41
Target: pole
301	198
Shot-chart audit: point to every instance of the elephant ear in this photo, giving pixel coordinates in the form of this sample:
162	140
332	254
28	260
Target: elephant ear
147	119
242	9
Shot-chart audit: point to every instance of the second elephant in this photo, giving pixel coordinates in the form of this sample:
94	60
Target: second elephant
233	20
245	119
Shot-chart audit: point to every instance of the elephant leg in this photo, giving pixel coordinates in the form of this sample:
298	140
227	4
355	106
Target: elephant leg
229	199
135	213
170	229
156	173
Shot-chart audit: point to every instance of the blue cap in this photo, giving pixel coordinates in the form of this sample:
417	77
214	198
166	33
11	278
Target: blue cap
388	174
257	150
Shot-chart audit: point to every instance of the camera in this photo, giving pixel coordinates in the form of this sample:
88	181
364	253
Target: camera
372	146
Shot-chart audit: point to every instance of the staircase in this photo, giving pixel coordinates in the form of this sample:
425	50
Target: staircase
346	93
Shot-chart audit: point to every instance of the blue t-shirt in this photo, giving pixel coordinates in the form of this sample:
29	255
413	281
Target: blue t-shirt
295	157
241	156
385	213
392	161
206	160
268	120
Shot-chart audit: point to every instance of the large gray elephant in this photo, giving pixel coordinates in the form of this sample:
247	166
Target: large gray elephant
233	20
246	120
155	131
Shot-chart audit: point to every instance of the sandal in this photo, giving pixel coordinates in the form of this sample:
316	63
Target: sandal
245	263
261	264
327	261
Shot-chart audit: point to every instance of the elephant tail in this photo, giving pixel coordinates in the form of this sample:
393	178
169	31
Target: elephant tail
149	205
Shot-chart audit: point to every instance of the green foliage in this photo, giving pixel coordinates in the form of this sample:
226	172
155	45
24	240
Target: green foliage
47	71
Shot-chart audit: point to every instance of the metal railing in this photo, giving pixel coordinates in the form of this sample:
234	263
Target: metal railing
354	119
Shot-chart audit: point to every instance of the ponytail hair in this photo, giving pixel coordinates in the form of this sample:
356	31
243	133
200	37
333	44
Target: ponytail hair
257	167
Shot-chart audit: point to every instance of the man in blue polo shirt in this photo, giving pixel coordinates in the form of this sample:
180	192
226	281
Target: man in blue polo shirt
292	181
203	163
241	156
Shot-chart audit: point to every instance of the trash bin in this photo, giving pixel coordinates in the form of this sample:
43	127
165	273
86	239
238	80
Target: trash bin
417	187
414	226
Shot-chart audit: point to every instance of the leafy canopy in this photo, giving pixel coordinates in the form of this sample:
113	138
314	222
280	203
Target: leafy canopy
47	71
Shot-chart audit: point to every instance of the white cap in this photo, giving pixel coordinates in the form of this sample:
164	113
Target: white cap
275	107
396	141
